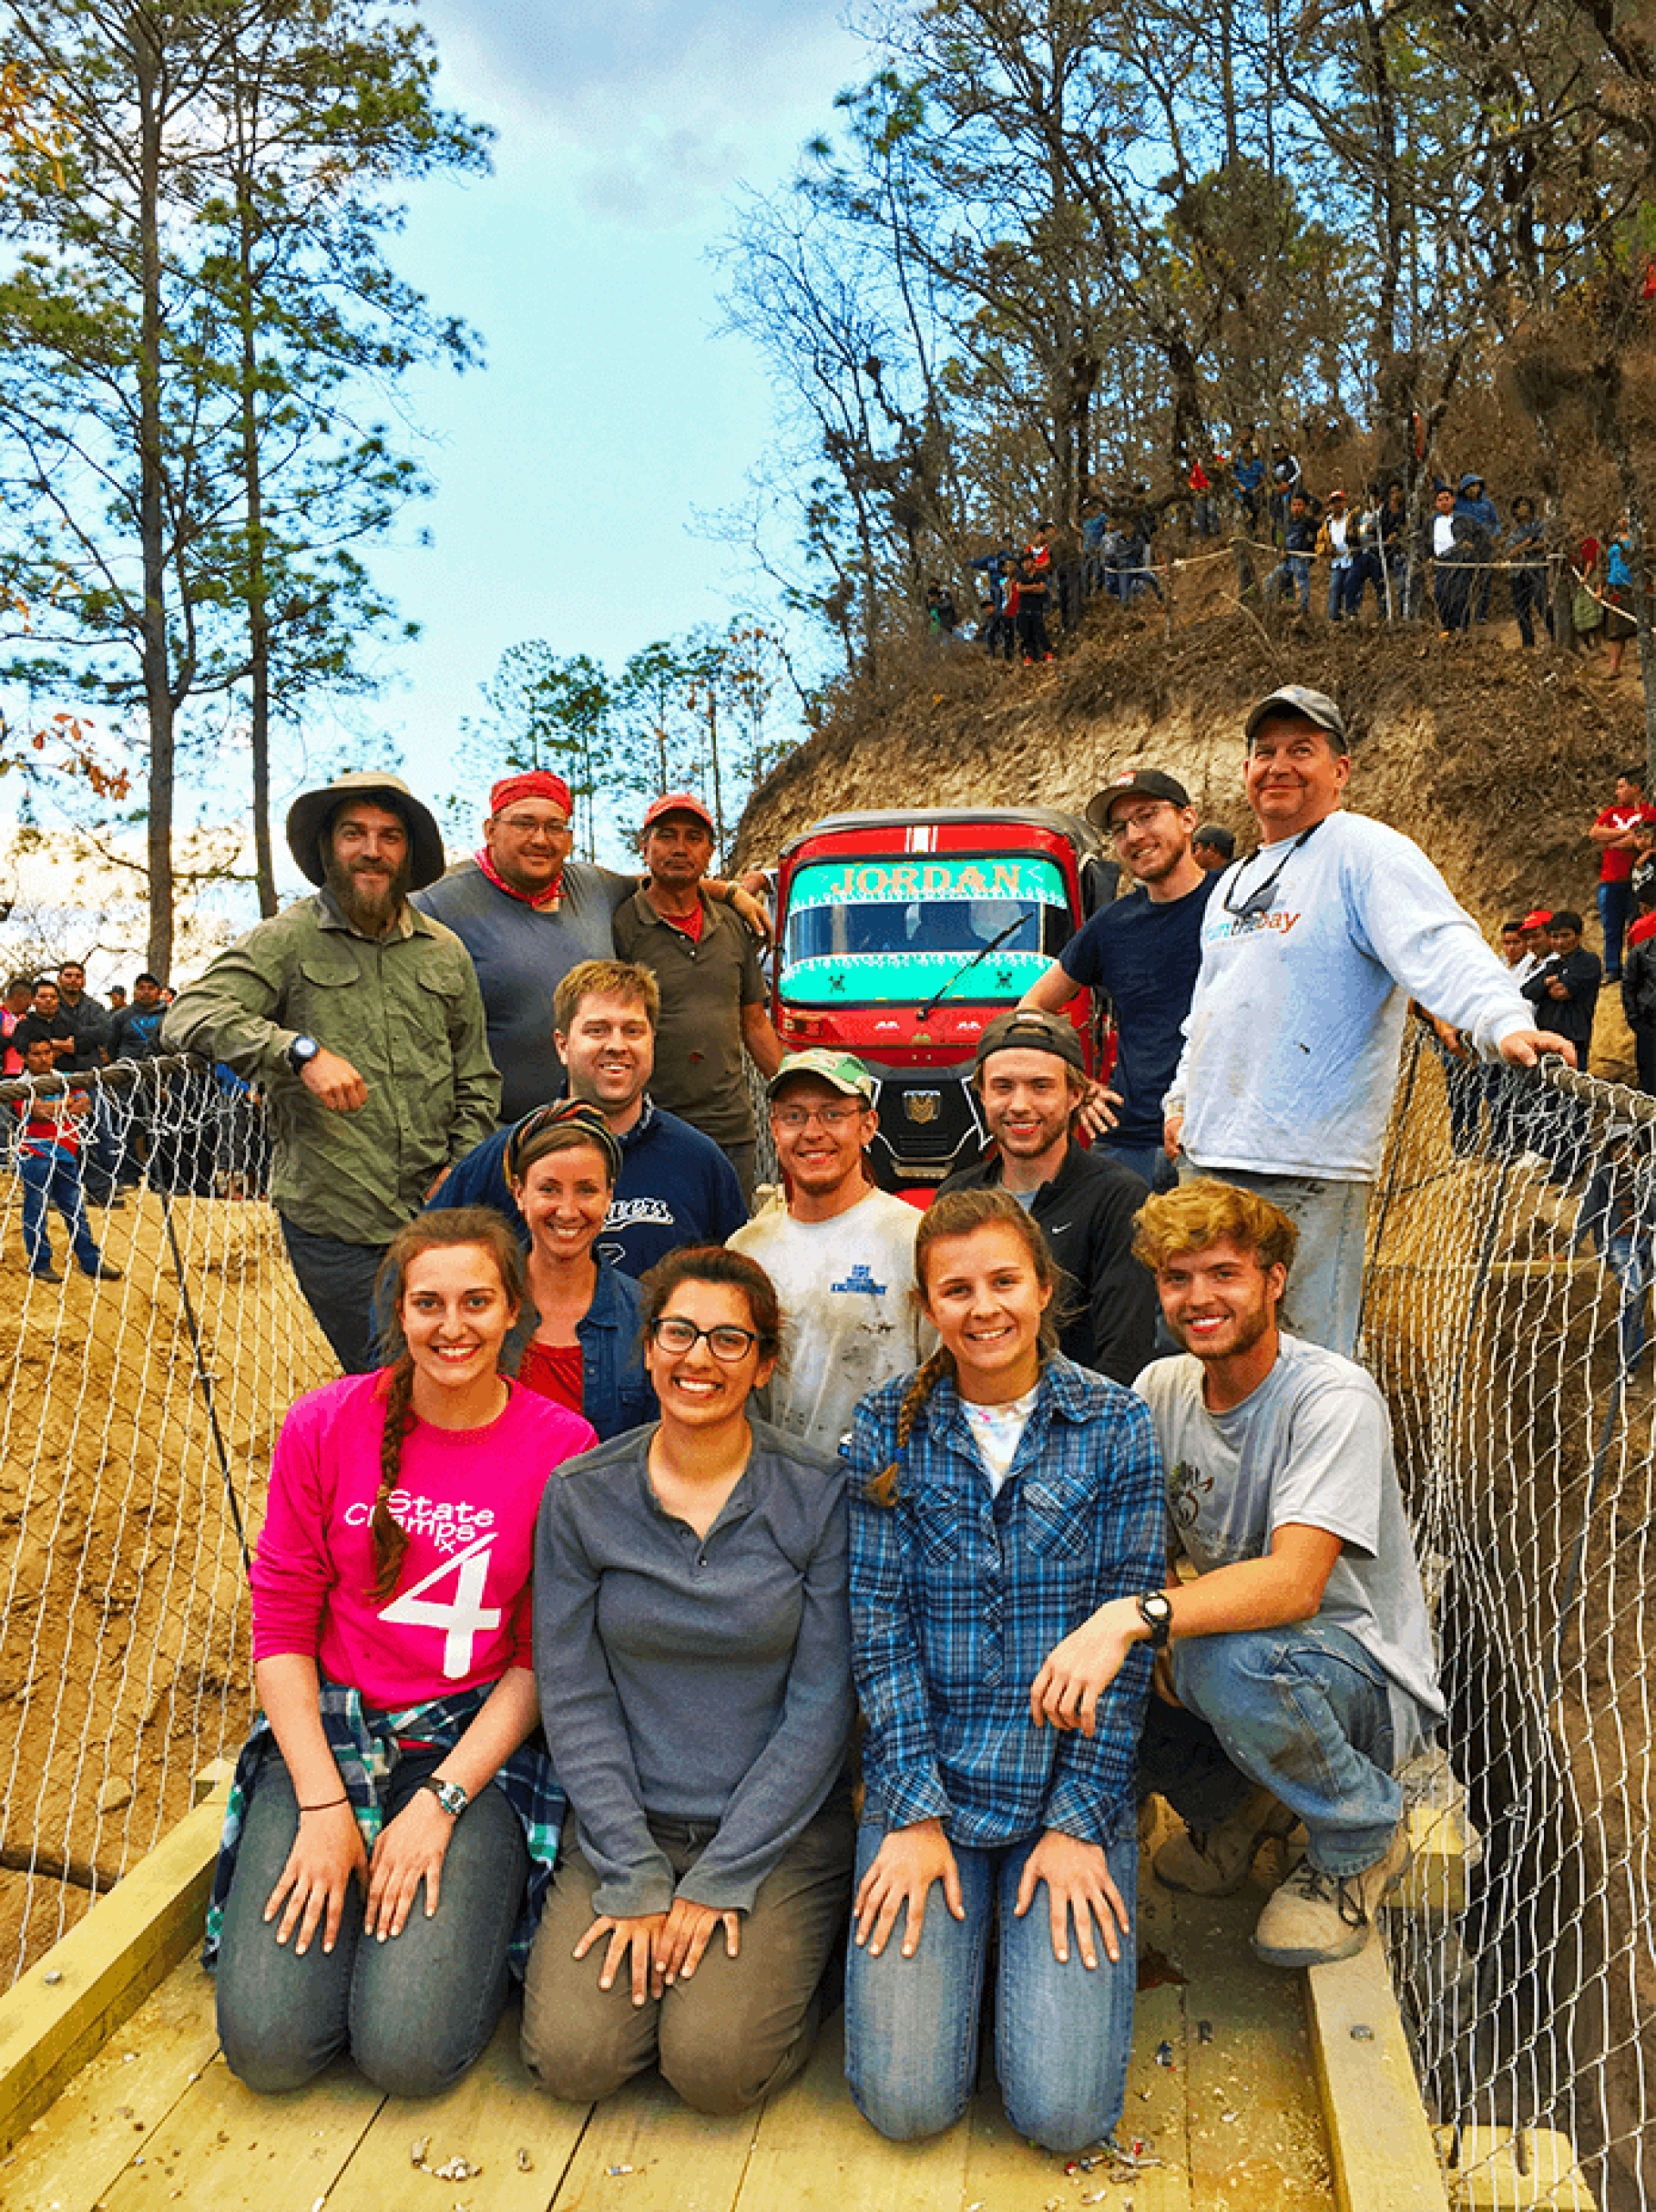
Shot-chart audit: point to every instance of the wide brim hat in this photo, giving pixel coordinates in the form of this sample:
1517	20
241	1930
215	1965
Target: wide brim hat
312	810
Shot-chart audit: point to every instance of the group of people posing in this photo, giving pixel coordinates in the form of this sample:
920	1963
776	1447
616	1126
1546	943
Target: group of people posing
563	1615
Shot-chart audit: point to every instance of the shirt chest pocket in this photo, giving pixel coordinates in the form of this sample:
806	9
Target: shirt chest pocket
330	1003
1058	1522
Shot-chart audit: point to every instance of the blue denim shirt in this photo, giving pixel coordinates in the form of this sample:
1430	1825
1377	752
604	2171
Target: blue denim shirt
958	1595
614	1391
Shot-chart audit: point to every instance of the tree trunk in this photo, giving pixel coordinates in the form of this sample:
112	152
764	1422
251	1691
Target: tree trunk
256	585
157	690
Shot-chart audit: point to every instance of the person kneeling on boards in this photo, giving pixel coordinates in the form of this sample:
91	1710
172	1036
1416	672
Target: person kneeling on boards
1295	1673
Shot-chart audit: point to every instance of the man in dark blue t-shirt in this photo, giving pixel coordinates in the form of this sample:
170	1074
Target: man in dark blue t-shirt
1143	951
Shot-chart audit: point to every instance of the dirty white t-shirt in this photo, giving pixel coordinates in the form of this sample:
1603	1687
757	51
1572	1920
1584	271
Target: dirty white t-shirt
847	1288
1312	1444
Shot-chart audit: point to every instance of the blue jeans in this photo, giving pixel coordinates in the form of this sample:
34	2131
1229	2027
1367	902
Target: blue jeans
1301	1709
414	2011
337	1281
1325	1284
1150	1161
1628	1259
1062	2034
54	1175
1615	903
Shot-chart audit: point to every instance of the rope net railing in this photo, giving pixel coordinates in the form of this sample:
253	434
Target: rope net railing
1511	1246
136	1420
1509	1261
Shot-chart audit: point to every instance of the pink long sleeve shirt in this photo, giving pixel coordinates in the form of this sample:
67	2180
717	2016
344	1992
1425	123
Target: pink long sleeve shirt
460	1614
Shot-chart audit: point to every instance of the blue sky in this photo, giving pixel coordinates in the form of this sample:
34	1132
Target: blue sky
571	468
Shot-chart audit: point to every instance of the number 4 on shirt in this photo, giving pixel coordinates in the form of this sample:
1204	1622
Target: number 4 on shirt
463	1620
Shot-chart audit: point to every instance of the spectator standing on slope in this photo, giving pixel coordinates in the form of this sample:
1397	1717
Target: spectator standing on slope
1613	832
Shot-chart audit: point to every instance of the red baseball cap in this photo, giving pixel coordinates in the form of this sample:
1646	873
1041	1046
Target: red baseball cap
680	802
1538	920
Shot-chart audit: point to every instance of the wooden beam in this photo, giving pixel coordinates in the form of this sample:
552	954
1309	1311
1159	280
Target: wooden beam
1382	2147
63	2010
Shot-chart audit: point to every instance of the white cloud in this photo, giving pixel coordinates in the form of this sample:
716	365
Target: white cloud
662	104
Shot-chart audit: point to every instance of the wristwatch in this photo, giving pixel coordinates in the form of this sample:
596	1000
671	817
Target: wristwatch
301	1053
449	1795
1156	1611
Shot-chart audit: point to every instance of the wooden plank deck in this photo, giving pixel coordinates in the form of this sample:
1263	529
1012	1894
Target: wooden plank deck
1223	2108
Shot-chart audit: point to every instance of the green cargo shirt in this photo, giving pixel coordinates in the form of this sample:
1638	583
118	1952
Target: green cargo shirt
700	1074
403	1009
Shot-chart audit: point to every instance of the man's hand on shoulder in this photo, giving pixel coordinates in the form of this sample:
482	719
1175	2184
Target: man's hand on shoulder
754	912
335	1082
1524	1047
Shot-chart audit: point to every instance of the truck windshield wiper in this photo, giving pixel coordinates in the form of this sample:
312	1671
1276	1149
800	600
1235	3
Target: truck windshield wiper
982	953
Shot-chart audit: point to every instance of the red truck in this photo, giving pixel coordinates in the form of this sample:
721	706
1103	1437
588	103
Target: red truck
902	935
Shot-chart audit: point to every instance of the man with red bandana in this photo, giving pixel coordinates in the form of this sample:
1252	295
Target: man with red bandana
527	914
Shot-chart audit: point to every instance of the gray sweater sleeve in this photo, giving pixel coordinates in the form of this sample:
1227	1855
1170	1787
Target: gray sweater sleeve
586	1730
787	1783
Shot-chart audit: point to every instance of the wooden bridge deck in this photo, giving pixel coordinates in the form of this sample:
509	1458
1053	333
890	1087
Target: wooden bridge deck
1248	2090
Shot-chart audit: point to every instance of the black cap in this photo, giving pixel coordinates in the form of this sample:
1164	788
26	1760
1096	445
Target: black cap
1024	1030
1135	783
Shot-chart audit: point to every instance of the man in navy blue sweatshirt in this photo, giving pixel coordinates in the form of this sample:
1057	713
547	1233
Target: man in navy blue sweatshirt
676	1187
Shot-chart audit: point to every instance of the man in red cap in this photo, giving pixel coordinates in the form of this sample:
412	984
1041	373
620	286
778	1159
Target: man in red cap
527	914
706	963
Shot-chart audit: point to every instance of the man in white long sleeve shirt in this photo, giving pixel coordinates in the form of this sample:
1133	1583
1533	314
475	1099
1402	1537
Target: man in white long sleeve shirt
1311	948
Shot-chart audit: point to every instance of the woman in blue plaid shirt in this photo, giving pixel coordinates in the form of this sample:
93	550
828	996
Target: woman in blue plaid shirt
998	1496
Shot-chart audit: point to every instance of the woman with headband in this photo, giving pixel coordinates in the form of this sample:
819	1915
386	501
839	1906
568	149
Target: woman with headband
561	1163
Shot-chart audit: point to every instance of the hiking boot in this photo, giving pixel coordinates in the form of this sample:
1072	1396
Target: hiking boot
1215	1862
104	1273
1315	1917
48	1274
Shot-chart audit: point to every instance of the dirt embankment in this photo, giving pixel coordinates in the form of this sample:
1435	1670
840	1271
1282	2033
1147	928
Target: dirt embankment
1494	759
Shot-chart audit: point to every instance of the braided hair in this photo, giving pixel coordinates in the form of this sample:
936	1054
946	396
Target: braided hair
445	1229
956	1213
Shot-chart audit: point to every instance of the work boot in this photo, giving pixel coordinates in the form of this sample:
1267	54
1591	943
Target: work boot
1315	1917
1214	1862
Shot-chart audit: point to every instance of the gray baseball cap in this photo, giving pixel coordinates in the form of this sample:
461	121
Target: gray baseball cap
1310	706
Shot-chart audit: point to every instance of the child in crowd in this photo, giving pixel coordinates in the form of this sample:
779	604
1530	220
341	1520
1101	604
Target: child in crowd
49	1160
999	1494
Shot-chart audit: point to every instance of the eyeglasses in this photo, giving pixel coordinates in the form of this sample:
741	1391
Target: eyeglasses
831	1117
1259	901
1122	824
726	1341
530	825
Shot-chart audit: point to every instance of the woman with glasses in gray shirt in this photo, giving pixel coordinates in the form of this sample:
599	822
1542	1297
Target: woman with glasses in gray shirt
692	1648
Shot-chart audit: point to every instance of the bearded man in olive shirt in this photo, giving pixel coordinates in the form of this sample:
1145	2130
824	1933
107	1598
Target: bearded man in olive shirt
362	1021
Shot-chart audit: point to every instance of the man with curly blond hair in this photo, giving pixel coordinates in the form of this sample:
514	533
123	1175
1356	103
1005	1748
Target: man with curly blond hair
1296	1672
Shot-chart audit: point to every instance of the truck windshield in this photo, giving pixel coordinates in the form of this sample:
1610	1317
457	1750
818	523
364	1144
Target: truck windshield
893	932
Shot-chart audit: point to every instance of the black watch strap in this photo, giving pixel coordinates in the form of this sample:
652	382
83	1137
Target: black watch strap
1156	1611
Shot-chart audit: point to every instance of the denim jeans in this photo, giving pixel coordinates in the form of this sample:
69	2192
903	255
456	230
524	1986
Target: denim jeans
1628	1259
1150	1161
1325	1284
1303	1709
1615	903
1062	2034
337	1281
53	1174
416	2011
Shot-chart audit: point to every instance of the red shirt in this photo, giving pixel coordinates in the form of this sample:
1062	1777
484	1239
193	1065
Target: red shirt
552	1371
1616	862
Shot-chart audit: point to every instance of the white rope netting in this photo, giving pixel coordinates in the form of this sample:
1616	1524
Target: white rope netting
136	1421
1509	1261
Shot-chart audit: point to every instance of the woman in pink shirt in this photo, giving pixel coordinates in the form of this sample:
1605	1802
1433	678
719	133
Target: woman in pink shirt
393	1662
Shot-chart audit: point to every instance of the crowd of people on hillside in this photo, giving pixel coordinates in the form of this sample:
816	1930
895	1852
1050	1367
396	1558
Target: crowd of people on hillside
632	1501
1462	562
